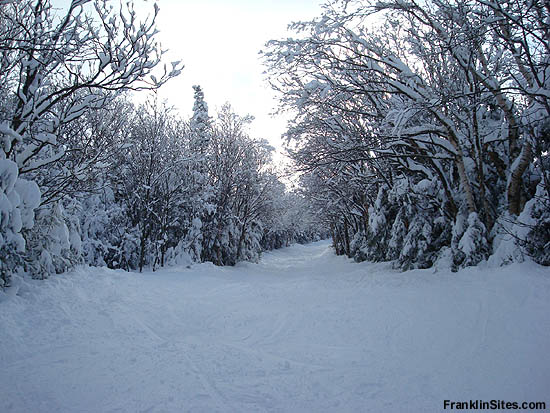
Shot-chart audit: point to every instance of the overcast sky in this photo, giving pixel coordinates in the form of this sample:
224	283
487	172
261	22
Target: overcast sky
218	41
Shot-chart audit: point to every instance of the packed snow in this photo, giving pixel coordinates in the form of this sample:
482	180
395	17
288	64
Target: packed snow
303	330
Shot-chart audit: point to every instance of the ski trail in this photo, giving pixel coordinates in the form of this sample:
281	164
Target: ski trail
302	330
221	401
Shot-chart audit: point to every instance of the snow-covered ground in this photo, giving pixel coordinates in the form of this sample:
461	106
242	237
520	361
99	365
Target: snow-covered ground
303	331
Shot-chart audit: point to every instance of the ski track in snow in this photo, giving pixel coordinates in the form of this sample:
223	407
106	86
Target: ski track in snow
303	330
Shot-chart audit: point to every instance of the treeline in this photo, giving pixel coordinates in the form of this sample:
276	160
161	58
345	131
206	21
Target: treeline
422	128
171	190
87	176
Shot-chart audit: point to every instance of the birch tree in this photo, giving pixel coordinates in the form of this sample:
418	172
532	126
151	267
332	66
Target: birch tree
434	91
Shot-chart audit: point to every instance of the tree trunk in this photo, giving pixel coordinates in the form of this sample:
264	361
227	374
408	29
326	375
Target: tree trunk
142	251
243	233
346	238
514	184
465	184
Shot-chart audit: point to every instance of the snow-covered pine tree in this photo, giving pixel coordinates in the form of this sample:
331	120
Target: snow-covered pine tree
200	123
200	207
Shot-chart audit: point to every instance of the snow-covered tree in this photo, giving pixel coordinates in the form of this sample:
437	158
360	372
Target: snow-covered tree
451	92
200	122
54	69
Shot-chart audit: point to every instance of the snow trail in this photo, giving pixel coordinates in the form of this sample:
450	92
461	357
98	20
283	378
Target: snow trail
303	330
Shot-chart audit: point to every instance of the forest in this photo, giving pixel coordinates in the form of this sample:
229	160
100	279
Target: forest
420	132
422	128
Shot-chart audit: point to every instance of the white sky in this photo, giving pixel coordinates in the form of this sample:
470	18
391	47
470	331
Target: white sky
218	41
